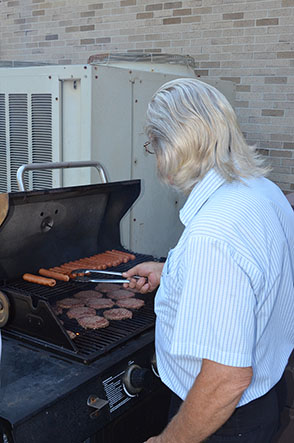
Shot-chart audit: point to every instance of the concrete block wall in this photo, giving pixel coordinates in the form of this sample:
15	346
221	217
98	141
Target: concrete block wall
250	42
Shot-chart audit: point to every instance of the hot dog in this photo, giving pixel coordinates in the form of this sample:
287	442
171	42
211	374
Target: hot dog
122	258
52	274
127	254
59	270
39	280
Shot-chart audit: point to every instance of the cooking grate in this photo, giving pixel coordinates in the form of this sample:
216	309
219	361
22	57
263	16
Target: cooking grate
88	344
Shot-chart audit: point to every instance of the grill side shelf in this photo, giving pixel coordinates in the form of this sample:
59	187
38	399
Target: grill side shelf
37	321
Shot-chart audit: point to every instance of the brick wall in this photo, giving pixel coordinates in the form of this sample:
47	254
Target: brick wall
249	42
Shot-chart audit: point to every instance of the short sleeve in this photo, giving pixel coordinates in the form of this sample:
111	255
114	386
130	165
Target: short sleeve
216	312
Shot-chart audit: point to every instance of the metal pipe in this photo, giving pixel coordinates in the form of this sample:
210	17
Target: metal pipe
57	165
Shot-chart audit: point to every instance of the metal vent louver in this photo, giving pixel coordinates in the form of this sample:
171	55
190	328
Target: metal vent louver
42	138
18	135
3	162
25	137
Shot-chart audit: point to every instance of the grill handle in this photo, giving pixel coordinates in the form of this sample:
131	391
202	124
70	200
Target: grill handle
57	165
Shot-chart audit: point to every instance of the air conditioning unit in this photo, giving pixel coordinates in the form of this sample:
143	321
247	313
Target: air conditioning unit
92	112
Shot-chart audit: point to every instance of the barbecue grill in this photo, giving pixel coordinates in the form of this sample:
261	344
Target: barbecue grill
101	386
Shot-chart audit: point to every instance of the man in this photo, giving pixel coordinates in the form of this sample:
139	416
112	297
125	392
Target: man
225	303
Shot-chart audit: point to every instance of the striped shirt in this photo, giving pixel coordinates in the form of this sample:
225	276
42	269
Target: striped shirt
226	291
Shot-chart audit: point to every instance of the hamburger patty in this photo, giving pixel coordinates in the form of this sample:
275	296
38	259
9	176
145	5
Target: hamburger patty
106	287
120	294
80	311
69	303
88	294
131	303
117	314
100	303
93	322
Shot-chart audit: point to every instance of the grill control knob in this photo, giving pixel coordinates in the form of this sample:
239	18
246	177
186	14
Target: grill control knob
135	379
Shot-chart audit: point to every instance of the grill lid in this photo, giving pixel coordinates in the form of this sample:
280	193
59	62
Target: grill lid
51	227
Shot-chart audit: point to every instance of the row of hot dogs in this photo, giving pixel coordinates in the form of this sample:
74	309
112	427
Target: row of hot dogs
48	277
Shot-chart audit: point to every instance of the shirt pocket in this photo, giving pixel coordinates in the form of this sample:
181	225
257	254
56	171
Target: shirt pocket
170	282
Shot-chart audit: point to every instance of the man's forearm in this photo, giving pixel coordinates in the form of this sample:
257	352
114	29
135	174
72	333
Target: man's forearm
209	404
197	419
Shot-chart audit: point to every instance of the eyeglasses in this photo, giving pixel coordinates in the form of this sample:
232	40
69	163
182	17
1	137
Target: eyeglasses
148	150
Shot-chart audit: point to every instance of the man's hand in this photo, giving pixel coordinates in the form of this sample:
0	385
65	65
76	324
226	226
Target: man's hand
150	273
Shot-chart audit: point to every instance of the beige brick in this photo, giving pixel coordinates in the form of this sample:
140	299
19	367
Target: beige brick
286	3
44	44
202	10
210	64
128	2
241	104
272	112
288	145
232	79
95	6
283	137
171	20
273	80
87	28
51	37
155	7
153	36
38	12
144	15
72	29
267	22
152	50
243	23
178	12
281	154
243	88
88	14
285	54
136	38
31	45
163	44
172	5
103	40
192	19
87	41
65	23
233	16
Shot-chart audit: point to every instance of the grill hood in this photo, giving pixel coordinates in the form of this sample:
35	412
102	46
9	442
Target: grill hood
48	228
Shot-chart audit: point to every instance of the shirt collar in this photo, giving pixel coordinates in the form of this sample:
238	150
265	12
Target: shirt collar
201	192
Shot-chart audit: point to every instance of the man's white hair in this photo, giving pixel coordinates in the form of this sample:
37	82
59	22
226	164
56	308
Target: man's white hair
193	128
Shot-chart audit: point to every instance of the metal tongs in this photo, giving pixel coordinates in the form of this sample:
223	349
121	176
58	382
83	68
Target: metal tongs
84	276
